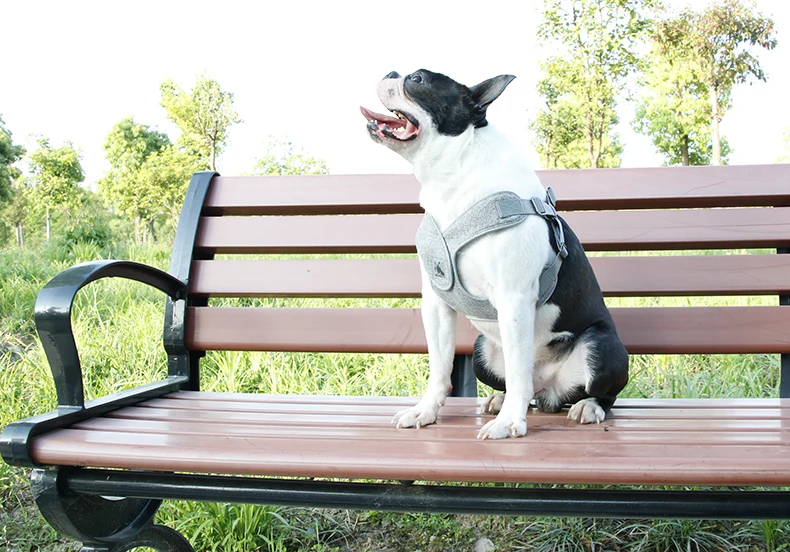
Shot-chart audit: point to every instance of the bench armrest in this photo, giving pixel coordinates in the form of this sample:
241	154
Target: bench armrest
53	317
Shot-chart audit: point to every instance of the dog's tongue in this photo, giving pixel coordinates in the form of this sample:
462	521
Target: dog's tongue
402	129
409	131
373	116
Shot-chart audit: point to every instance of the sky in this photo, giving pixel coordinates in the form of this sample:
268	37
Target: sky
301	69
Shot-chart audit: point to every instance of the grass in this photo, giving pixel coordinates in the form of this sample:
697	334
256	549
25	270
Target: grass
118	327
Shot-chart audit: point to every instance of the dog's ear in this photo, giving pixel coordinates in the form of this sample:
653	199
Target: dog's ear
489	90
485	93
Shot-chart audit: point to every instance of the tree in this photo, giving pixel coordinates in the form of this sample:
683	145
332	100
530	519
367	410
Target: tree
598	40
128	146
165	177
560	136
558	125
203	114
675	111
9	154
283	157
54	178
17	209
720	40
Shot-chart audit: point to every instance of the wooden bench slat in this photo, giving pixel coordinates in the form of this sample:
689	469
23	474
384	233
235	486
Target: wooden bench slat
617	276
462	401
455	433
334	448
537	419
598	231
454	410
635	188
663	330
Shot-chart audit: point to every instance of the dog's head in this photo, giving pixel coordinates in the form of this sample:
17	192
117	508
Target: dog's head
427	105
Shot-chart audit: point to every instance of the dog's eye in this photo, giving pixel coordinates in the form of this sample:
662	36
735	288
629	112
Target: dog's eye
416	78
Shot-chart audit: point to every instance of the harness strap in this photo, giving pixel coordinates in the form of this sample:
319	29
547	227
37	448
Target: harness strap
545	209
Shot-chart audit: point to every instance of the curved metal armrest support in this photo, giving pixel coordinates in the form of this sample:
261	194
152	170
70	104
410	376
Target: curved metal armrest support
53	317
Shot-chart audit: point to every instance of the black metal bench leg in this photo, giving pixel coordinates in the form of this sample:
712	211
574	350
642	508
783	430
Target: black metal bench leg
463	378
158	537
102	524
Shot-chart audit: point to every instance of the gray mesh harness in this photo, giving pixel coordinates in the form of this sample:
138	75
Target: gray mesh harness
438	250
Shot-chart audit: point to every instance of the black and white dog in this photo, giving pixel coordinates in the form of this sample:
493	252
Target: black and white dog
524	281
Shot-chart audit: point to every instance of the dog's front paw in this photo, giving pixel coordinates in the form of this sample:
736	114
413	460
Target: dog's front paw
587	411
505	425
494	404
416	416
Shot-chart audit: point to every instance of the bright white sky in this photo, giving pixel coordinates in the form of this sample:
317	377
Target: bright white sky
300	69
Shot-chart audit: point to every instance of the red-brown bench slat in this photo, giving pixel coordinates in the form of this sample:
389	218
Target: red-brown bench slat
652	330
463	402
540	433
652	423
698	412
577	189
555	450
597	230
617	276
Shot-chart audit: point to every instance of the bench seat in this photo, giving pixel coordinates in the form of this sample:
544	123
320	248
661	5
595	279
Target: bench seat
327	264
645	442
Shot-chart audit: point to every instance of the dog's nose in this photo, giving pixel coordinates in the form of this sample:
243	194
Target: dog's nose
392	75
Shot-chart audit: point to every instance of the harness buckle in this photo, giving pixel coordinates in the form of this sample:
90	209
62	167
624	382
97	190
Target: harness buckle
540	207
551	197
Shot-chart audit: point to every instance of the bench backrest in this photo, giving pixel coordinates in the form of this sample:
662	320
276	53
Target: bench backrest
617	210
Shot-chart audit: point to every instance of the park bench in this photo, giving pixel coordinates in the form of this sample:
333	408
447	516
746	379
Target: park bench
688	458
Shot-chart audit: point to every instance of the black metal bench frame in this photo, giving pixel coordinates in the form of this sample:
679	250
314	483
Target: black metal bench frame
73	499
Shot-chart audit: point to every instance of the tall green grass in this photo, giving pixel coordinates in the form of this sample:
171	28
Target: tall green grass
118	328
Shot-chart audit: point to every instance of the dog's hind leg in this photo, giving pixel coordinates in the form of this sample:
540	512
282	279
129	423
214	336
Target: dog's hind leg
608	365
489	365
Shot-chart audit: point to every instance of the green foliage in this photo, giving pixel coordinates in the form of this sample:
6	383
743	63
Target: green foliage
675	111
598	40
720	41
129	144
148	175
561	138
127	147
55	174
16	211
558	126
203	114
9	154
87	224
785	158
164	177
282	157
220	527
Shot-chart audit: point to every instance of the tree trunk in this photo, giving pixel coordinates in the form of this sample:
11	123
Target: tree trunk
20	235
152	230
137	229
714	103
48	225
213	156
684	150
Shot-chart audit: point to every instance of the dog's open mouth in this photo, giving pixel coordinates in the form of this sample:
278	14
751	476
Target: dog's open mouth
400	127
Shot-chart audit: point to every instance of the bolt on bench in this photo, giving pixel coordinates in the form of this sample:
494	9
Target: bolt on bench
169	440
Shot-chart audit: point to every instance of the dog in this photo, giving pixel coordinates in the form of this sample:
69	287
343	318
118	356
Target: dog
492	247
